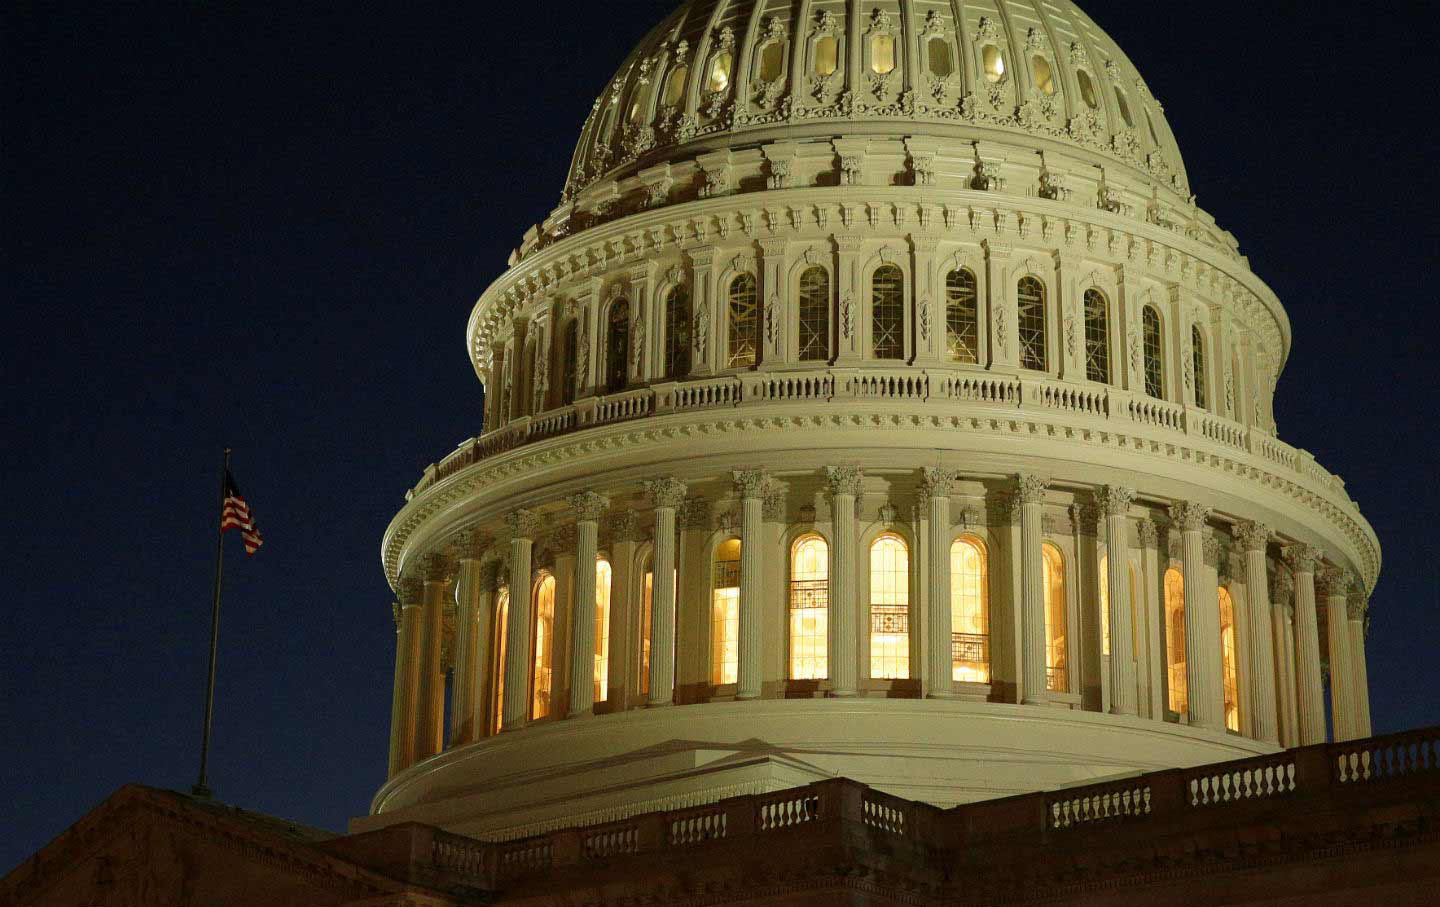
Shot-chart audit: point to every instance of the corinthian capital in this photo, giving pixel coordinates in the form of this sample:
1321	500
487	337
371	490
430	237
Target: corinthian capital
588	506
844	479
523	524
1252	535
936	482
1030	489
1282	589
1146	532
438	568
1210	546
1332	582
472	544
1357	604
694	514
665	492
1302	558
1189	516
751	483
1116	499
410	591
625	527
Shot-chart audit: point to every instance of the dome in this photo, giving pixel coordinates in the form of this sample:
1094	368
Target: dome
865	415
716	75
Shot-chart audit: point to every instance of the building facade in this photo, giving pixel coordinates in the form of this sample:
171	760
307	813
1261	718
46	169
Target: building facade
876	403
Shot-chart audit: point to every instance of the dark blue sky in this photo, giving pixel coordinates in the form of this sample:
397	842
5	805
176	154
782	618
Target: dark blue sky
264	225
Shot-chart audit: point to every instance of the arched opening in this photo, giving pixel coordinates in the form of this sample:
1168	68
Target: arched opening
809	607
677	332
1087	89
569	358
1124	106
542	657
962	316
814	315
1175	640
1153	348
1097	337
497	664
1057	655
617	347
602	628
1227	660
1030	323
887	312
889	607
744	322
969	610
1197	352
725	614
675	85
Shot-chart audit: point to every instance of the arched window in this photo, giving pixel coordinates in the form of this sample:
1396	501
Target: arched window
677	332
1097	337
499	411
542	666
570	355
942	64
887	312
1197	353
602	628
962	316
809	600
814	315
725	614
1087	89
526	382
1124	108
1030	323
617	347
744	322
889	607
1057	660
647	617
1175	640
497	664
675	85
969	610
1154	351
1227	660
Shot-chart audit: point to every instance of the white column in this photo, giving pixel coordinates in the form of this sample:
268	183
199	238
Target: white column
1335	585
430	698
1203	678
1260	693
844	644
1357	607
665	495
1282	593
939	676
1030	492
471	601
1310	693
588	507
1116	501
519	633
407	676
1153	633
751	485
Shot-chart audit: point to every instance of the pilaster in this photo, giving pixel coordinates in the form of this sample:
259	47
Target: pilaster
1203	672
844	644
751	485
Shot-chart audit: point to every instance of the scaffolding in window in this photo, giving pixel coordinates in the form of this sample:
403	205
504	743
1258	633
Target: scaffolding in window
814	312
962	317
887	312
744	323
1097	338
1030	323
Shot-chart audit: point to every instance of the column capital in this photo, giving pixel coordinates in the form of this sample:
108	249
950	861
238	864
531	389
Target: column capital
588	506
774	507
1253	536
438	568
1210	545
1357	605
750	483
936	481
1147	533
694	513
624	527
1333	581
666	491
490	572
1301	558
471	544
562	540
844	479
523	524
410	590
1282	589
1116	499
1030	488
1189	516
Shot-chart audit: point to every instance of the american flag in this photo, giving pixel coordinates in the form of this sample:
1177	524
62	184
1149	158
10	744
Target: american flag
235	514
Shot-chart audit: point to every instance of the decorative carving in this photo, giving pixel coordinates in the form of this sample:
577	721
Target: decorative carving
844	479
665	492
438	568
1116	500
936	482
588	506
1252	536
625	527
750	483
773	509
1282	589
471	544
1147	533
714	182
779	176
562	540
847	317
850	169
987	176
694	513
1030	488
1002	330
888	513
1210	548
1052	186
523	524
701	331
1070	332
1301	558
1357	605
1189	516
772	320
924	319
410	590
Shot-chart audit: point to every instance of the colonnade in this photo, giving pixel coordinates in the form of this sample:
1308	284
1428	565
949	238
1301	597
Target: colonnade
1276	643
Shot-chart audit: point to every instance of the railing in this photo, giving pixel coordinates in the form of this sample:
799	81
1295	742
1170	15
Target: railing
527	856
1223	431
693	826
1098	803
970	647
1252	780
895	815
791	808
1075	400
1158	413
458	854
611	841
1383	758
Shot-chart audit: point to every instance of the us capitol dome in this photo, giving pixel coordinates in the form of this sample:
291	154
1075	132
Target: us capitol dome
878	403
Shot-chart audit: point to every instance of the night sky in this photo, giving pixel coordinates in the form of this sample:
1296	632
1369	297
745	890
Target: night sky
264	225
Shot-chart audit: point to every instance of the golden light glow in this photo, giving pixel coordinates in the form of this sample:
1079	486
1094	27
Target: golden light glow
647	614
1175	640
1057	662
497	666
809	601
1044	76
993	63
1105	604
1227	660
827	56
969	610
882	54
720	72
772	61
675	85
544	638
725	614
889	607
602	628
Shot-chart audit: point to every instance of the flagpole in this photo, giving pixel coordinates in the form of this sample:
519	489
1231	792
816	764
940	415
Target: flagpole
200	790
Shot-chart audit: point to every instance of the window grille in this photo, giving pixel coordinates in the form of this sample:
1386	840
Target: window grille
677	333
570	350
889	607
969	611
725	614
814	314
962	317
1097	337
617	347
744	322
1030	329
1197	351
1154	354
887	312
809	601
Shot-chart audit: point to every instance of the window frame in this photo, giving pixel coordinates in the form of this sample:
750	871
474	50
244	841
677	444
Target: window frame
869	656
1104	362
902	328
1043	308
1152	355
731	321
614	382
982	545
804	271
975	319
801	537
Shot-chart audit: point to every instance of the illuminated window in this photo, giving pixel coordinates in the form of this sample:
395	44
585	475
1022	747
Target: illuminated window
647	616
1197	352
1044	76
675	85
1057	661
570	355
1150	122
497	664
993	62
889	607
1030	328
941	62
969	610
1124	107
1227	660
677	333
540	659
1154	352
744	322
1105	610
1175	639
962	316
720	72
809	599
772	61
602	628
887	312
814	315
827	56
1087	89
882	54
1097	337
725	614
617	347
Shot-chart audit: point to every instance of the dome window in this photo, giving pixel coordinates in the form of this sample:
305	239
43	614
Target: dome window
827	56
809	606
720	72
1124	108
1150	123
1097	337
617	347
744	346
938	53
889	607
1153	353
677	333
1044	75
675	85
993	63
814	336
1087	89
882	54
962	317
1030	298
887	309
772	61
725	614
